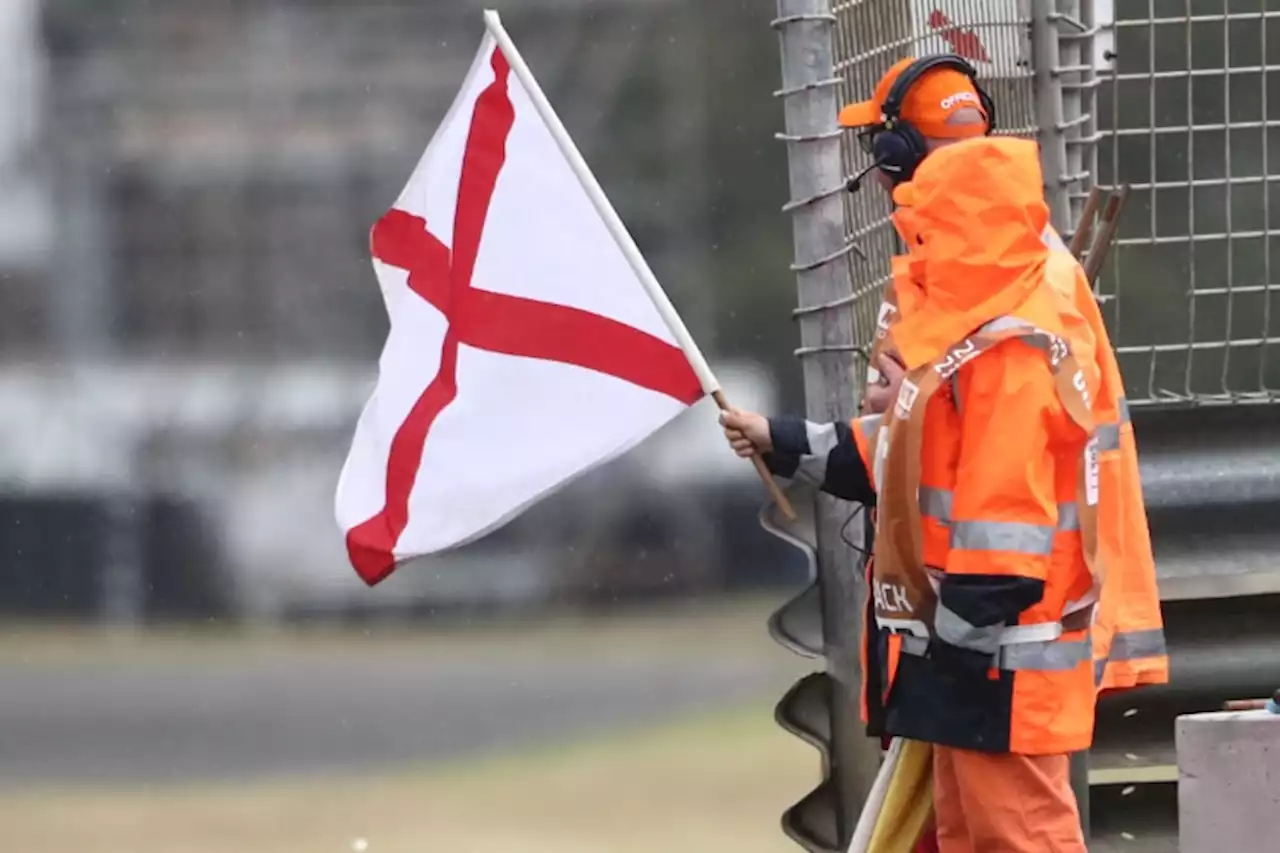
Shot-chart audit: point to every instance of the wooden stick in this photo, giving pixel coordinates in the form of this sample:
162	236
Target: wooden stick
775	491
1084	228
1103	240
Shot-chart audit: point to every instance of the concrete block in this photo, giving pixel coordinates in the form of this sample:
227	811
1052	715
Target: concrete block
1229	781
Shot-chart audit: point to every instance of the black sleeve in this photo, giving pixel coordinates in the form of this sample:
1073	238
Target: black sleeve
986	600
978	607
823	454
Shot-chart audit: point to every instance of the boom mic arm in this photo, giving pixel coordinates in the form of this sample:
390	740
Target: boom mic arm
855	183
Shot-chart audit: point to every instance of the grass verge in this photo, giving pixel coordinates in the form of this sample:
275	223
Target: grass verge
712	784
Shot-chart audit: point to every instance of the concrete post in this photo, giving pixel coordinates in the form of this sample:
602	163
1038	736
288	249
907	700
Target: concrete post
1228	781
811	103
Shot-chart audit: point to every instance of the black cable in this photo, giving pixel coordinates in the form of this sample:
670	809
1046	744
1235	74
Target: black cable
860	549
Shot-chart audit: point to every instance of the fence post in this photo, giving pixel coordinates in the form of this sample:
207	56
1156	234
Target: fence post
1062	57
828	348
1050	110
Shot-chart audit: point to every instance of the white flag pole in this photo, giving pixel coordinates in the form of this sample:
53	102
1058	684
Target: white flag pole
623	237
870	815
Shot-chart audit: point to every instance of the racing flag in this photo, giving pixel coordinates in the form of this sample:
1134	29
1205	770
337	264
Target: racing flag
529	340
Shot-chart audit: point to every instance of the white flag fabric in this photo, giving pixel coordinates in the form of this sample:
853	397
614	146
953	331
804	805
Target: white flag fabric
525	347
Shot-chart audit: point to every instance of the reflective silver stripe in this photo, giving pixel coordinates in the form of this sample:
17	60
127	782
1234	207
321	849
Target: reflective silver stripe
917	646
1032	335
936	503
952	628
1109	434
1001	324
1132	645
1036	632
822	440
1108	437
1060	656
1032	539
871	424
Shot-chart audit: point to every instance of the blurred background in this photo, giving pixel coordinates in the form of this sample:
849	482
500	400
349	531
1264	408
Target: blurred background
189	325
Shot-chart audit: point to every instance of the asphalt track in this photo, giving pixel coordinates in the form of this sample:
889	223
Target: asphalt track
191	715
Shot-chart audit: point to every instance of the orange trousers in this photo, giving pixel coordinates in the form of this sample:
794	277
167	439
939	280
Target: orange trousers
1004	803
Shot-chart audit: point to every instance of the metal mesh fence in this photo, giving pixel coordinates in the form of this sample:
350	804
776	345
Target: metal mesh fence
1185	109
871	35
1190	118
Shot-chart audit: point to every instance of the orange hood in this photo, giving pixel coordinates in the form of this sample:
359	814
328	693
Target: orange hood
973	216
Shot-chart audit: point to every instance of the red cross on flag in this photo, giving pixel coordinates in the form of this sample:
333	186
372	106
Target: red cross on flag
529	340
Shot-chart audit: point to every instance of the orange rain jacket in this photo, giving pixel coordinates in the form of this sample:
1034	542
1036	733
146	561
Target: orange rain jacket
1128	635
999	477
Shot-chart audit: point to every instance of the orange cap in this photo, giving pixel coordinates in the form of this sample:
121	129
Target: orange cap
931	101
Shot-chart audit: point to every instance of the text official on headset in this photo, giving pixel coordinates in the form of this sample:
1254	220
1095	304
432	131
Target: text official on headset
984	468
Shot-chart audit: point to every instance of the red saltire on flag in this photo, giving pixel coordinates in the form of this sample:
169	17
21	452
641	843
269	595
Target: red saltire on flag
526	345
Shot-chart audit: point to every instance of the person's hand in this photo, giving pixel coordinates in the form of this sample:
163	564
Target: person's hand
880	397
747	432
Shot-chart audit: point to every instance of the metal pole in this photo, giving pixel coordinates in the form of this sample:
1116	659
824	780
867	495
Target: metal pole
1080	787
1063	57
810	104
1089	83
1071	80
1050	110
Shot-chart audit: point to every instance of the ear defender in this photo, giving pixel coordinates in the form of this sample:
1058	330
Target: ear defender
899	148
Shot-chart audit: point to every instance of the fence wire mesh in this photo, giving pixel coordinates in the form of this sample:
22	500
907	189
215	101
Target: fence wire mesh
1190	118
1185	108
871	35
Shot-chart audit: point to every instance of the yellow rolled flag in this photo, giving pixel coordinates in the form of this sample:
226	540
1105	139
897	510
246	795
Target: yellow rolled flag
899	807
908	803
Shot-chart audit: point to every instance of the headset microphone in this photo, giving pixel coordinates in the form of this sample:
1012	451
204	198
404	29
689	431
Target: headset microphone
855	183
